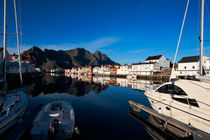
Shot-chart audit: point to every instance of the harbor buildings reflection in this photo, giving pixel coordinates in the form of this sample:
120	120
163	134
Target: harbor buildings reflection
81	85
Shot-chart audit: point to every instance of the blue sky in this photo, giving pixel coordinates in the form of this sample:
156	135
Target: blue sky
128	31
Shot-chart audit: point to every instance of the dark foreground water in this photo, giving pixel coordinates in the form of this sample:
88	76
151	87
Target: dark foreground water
101	111
101	106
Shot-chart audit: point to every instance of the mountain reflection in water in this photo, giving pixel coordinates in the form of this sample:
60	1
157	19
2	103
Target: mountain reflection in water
49	84
80	86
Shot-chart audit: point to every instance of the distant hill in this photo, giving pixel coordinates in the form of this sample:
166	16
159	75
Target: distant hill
49	59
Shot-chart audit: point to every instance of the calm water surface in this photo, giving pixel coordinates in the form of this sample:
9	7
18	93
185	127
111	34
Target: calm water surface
101	111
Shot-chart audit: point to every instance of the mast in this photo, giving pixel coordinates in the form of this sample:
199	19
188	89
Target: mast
18	46
201	38
4	50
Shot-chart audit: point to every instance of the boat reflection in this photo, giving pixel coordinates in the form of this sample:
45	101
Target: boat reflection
153	125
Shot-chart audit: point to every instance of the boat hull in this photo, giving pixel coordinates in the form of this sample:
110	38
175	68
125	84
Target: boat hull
55	120
12	118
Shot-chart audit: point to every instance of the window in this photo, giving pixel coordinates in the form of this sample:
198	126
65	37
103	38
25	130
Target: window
185	67
193	67
171	89
180	72
192	102
163	89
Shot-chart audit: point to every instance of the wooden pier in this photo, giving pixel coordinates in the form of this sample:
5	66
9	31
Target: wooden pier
174	126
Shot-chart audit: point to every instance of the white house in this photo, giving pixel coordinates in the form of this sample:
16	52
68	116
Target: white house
13	65
190	66
105	69
145	68
164	62
96	70
123	70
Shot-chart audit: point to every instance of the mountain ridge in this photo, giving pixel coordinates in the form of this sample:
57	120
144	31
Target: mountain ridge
78	57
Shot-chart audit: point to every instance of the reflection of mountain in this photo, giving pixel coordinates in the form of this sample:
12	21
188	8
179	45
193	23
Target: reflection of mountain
50	84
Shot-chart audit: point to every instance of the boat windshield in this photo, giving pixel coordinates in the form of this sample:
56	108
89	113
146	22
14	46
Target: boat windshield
171	89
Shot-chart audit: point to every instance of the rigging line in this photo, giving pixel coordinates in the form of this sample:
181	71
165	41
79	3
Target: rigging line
19	56
179	39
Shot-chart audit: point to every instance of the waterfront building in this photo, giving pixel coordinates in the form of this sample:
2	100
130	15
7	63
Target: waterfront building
13	65
113	69
24	58
105	69
190	66
123	70
163	62
86	71
96	70
145	68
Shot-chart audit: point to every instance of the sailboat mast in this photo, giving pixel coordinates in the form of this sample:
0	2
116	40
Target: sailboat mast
201	37
4	46
18	46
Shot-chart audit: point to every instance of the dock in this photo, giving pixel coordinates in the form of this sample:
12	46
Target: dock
23	125
173	126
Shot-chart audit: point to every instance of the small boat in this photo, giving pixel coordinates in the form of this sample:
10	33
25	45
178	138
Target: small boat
56	120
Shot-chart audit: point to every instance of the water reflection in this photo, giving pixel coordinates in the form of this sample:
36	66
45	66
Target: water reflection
82	85
153	125
98	116
53	84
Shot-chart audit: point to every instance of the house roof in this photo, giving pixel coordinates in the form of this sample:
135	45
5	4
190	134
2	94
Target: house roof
189	59
144	63
154	57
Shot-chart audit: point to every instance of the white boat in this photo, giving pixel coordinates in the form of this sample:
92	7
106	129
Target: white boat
55	120
13	105
184	100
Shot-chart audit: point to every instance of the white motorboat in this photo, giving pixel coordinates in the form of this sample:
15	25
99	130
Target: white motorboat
13	105
184	100
55	120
